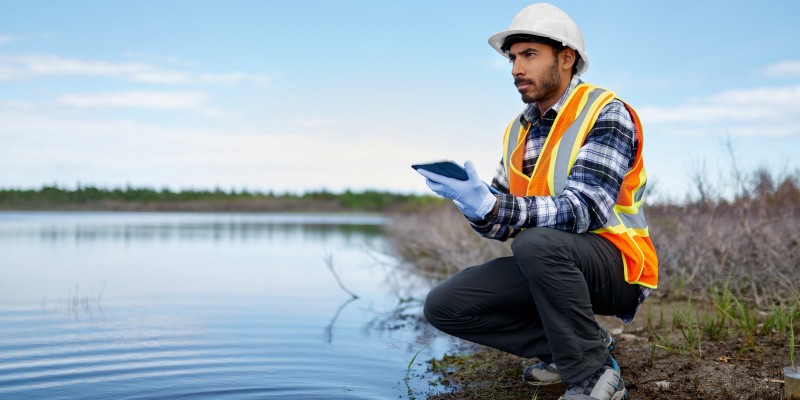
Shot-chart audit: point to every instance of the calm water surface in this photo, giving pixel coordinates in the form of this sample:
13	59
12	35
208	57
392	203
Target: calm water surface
196	306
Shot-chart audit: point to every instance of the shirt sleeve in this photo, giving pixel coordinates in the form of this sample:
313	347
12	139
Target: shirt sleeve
592	186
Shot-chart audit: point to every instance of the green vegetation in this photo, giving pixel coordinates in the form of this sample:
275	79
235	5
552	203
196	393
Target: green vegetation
148	199
484	375
718	316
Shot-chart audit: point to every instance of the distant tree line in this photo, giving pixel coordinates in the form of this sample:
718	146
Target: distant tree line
143	198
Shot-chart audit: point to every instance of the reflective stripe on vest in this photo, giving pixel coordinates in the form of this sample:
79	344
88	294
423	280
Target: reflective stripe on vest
626	226
565	159
513	134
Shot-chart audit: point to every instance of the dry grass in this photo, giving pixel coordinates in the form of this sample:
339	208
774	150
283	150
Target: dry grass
437	241
750	243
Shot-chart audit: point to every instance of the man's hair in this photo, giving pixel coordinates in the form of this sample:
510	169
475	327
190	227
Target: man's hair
554	44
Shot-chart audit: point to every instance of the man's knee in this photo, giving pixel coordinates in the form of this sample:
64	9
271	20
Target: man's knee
435	307
536	248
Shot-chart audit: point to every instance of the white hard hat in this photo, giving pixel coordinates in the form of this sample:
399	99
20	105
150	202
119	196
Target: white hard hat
545	20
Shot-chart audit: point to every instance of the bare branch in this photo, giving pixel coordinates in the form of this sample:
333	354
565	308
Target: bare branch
329	263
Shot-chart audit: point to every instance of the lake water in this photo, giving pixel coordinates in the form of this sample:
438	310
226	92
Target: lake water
198	306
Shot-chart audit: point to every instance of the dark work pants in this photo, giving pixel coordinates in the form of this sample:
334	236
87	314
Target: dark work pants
539	302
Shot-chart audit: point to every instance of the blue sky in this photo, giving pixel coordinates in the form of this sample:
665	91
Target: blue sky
304	95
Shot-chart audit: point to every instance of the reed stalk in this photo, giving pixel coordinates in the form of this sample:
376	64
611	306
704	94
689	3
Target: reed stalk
791	341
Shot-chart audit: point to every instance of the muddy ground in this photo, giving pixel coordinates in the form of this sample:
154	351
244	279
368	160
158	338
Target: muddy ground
733	368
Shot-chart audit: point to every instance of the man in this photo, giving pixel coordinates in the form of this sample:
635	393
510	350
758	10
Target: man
571	182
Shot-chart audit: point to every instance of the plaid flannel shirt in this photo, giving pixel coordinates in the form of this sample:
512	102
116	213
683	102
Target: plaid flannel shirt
592	186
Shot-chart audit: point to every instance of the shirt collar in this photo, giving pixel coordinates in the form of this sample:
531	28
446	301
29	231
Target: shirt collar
531	112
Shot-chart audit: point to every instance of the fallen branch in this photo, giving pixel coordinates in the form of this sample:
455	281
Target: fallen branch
329	263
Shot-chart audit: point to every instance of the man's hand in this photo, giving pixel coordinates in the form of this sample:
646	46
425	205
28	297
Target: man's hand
471	196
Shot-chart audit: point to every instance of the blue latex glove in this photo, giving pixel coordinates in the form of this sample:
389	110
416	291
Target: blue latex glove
468	212
471	196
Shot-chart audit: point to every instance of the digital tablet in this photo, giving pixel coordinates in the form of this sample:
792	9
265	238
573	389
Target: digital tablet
445	168
449	169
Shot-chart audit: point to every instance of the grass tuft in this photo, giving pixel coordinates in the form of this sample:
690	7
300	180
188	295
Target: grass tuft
791	339
411	363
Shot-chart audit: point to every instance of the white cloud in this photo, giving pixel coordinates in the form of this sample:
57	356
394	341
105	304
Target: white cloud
137	99
16	104
26	66
784	68
763	130
7	39
159	58
771	111
234	77
53	148
16	67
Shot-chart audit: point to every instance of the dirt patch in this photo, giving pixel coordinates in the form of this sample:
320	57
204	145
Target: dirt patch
725	369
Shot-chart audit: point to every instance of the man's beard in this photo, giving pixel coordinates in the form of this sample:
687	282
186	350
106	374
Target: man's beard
546	88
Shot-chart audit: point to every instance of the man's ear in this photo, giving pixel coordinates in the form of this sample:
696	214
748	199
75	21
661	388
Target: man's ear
566	58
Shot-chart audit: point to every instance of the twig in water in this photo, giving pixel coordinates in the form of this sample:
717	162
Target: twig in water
329	262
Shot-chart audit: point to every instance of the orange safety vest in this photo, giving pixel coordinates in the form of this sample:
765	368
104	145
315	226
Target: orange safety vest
626	227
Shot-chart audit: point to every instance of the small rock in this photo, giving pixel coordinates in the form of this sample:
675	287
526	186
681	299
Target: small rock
616	331
663	385
627	337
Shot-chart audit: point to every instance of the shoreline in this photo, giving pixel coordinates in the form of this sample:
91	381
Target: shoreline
145	199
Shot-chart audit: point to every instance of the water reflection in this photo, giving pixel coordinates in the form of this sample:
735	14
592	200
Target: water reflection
127	227
328	332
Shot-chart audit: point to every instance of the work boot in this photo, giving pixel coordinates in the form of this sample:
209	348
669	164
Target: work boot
605	384
543	374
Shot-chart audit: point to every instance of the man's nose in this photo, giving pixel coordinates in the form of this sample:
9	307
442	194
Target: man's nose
516	69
